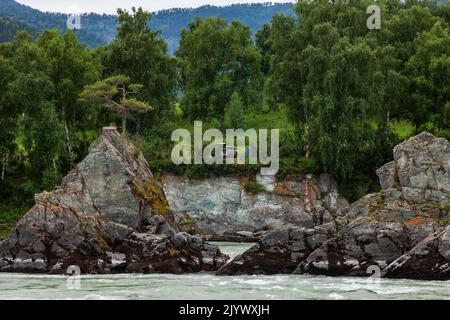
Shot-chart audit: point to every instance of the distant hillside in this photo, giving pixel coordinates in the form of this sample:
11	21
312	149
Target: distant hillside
9	27
36	20
100	29
252	15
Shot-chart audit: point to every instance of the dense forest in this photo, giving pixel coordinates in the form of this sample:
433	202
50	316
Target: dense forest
97	29
342	95
101	29
9	28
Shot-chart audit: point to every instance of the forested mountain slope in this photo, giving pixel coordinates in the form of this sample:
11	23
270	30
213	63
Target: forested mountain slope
97	29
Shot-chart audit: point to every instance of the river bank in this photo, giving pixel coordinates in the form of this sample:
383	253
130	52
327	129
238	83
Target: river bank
208	286
111	215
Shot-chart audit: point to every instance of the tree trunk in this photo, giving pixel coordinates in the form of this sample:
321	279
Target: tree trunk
308	143
4	161
388	122
222	122
68	140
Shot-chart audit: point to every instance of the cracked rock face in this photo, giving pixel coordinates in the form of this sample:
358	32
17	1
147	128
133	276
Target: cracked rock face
109	215
221	209
403	231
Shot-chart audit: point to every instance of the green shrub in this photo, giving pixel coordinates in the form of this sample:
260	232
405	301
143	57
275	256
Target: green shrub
235	111
296	168
444	221
50	179
254	187
187	222
8	218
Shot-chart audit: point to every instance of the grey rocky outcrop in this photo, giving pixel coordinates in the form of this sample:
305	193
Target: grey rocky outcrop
402	231
219	208
109	215
279	251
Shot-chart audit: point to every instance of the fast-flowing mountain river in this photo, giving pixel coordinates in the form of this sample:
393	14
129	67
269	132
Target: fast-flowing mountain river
208	286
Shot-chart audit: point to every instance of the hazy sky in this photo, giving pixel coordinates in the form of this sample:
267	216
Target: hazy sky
109	6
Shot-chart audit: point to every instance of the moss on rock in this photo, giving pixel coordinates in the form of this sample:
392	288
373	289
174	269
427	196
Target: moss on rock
151	192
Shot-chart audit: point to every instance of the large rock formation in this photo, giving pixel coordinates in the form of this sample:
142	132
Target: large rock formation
109	215
221	209
403	231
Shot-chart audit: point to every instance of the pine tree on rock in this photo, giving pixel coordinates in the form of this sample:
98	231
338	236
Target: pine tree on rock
115	93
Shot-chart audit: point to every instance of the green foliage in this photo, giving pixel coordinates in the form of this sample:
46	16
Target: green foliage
9	28
328	102
429	69
39	86
443	222
348	88
341	95
12	207
51	178
402	128
296	168
96	29
236	111
100	29
43	137
140	53
187	222
8	221
262	40
70	66
217	59
254	187
114	93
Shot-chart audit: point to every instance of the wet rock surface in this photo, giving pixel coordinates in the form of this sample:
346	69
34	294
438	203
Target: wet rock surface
109	215
402	231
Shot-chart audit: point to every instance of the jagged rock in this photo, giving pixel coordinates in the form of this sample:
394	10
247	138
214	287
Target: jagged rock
429	259
423	162
280	251
220	208
402	231
268	182
109	215
246	234
387	176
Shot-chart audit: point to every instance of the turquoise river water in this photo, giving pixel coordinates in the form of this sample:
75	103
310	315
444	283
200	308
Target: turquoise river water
208	286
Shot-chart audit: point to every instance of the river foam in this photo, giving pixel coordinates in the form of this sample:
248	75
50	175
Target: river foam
208	286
